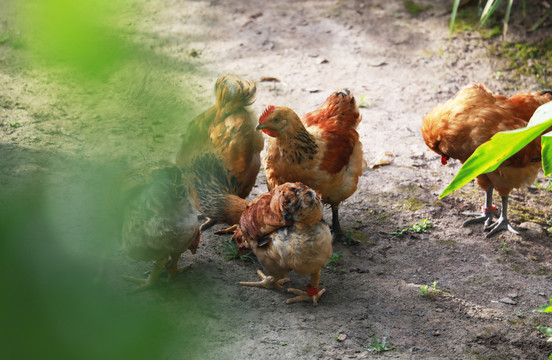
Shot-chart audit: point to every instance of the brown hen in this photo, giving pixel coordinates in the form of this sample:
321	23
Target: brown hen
460	125
321	149
227	129
160	219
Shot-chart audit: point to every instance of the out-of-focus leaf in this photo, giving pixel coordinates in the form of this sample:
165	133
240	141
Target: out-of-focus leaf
488	157
547	154
545	308
546	331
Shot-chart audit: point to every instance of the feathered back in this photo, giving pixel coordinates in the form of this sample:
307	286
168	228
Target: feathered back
285	205
339	116
458	126
341	106
232	93
211	179
216	189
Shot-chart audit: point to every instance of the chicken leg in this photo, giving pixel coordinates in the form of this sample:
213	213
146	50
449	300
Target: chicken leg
489	211
268	282
311	294
502	223
151	279
336	228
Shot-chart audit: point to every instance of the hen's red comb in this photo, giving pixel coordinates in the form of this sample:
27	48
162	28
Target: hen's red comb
269	109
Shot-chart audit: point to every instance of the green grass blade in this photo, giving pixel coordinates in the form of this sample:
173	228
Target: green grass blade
539	23
455	6
524	8
489	9
500	147
507	17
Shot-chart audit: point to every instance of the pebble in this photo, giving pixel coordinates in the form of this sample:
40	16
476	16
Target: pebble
508	301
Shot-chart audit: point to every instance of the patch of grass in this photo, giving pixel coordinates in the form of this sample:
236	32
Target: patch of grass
429	291
231	251
422	226
521	214
502	244
486	12
419	227
533	60
334	264
544	329
363	103
545	186
362	237
15	124
378	346
348	239
335	259
413	204
412	7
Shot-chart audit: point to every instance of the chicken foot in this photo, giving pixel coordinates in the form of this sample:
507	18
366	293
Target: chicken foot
489	211
172	267
207	224
312	294
158	267
268	282
151	279
502	223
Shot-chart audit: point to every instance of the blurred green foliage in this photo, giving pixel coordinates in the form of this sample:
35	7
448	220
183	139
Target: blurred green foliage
53	305
108	93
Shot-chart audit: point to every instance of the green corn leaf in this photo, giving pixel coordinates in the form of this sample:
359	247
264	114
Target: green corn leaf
488	157
547	154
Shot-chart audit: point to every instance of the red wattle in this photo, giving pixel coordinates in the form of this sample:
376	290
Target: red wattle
272	133
444	159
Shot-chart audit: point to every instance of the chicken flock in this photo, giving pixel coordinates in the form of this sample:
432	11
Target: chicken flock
309	161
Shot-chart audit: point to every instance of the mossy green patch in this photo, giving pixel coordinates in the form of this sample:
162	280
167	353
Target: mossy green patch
362	237
528	59
521	213
412	7
412	203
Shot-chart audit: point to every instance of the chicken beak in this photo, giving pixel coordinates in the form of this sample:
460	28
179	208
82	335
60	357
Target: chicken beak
260	127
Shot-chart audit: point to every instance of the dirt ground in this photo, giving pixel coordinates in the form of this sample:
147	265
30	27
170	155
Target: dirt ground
398	66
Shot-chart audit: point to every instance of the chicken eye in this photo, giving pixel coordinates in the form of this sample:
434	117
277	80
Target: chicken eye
276	120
